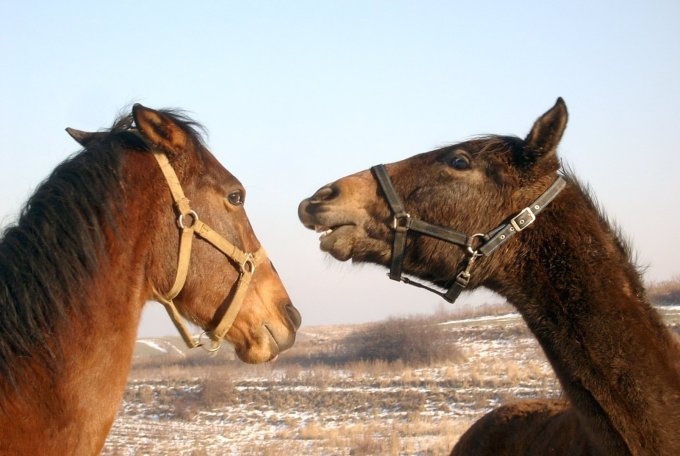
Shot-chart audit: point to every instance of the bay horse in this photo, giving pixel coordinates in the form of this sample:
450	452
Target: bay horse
108	230
497	212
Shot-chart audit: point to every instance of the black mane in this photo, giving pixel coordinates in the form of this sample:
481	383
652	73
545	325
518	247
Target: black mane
50	256
634	270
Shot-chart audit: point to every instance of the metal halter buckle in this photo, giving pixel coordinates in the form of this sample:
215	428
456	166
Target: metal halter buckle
525	218
401	221
463	278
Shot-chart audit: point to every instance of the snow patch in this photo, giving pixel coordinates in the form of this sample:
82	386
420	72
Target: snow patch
483	319
153	344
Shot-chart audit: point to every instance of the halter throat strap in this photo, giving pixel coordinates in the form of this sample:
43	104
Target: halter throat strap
190	225
402	223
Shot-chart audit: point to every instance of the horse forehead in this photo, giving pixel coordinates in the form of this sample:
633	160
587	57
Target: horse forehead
412	168
217	170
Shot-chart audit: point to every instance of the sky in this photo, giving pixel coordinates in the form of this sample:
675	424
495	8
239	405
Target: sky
296	94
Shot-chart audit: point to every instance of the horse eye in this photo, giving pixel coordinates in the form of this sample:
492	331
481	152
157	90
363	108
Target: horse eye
460	162
235	198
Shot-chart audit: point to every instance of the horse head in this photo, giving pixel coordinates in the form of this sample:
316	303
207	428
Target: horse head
222	281
466	194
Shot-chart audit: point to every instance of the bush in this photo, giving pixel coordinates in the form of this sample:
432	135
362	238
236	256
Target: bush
665	293
413	341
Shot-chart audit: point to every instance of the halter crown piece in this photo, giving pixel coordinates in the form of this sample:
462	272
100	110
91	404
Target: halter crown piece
190	225
403	223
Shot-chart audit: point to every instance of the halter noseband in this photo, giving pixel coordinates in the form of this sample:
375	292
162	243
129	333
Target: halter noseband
190	225
403	222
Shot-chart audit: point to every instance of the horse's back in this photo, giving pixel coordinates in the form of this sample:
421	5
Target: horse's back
537	427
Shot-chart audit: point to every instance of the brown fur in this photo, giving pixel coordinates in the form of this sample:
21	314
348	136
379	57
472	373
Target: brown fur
569	275
77	268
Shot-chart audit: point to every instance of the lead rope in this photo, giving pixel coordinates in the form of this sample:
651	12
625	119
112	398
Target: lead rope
247	263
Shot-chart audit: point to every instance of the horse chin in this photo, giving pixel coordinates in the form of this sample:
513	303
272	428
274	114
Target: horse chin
252	356
259	353
267	346
340	241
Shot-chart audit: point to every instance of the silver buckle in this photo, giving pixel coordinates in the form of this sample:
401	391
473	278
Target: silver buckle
401	221
525	218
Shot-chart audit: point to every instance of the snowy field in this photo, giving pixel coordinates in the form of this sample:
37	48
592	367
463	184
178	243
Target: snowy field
319	409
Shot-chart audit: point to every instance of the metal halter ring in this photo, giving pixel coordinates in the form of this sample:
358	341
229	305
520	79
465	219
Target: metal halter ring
214	345
248	264
470	241
180	219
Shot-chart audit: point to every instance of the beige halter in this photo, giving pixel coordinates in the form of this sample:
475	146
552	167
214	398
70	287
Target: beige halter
247	262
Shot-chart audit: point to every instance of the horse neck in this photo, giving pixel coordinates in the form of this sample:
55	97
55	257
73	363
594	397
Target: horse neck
71	401
574	285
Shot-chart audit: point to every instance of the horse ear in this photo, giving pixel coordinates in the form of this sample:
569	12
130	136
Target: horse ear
547	131
85	138
159	129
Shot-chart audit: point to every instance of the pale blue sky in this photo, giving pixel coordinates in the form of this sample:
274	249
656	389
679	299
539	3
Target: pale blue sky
296	94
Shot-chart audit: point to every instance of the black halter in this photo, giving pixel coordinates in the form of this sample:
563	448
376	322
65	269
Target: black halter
488	242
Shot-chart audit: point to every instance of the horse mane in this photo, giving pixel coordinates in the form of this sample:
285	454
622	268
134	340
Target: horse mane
634	271
58	244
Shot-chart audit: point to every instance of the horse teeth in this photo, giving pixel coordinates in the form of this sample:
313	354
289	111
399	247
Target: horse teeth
323	230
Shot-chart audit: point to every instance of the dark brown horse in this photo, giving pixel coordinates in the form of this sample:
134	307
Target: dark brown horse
495	212
98	239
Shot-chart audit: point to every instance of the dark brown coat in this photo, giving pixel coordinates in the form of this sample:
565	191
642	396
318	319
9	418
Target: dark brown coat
569	275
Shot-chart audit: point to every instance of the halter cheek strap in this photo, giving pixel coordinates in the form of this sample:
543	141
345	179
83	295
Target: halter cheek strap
403	223
190	225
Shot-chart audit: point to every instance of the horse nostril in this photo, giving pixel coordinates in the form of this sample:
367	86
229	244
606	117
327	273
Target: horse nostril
323	194
294	315
310	207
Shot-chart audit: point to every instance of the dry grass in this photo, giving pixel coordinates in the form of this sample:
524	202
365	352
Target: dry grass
665	293
370	438
320	398
412	341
